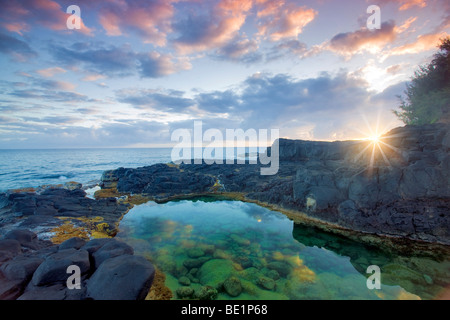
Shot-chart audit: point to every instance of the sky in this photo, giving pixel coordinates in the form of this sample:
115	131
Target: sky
138	70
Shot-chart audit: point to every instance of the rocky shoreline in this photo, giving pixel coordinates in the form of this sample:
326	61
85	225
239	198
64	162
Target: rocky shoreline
396	198
401	193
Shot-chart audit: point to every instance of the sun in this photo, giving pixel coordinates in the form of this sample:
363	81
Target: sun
374	138
376	144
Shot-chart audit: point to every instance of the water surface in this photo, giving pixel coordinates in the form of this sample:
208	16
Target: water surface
209	241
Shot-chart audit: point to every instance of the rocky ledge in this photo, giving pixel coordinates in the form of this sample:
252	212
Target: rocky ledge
44	231
396	188
34	269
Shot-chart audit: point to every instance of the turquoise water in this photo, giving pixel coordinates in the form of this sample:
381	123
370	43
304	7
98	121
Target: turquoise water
206	243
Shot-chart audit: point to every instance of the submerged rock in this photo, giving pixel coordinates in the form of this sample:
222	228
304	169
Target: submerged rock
185	281
266	283
215	272
206	293
232	286
185	292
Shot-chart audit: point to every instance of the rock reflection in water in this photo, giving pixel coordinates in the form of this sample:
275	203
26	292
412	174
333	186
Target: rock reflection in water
235	250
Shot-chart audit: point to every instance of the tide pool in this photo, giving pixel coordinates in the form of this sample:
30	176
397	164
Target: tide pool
244	251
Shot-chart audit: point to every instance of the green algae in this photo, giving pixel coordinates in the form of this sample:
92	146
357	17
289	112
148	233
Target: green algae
208	241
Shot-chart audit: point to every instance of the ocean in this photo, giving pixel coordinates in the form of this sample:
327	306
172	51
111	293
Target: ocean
37	167
34	168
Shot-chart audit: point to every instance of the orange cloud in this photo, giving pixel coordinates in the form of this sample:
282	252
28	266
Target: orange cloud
423	43
406	4
373	41
282	20
220	27
149	20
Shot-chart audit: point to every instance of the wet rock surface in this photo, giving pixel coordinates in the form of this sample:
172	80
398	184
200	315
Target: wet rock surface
38	270
42	210
402	191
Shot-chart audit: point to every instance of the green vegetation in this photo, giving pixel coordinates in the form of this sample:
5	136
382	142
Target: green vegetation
428	94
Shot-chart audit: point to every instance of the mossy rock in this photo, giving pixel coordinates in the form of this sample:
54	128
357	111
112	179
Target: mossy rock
215	272
266	283
283	268
232	286
185	281
195	263
185	292
206	293
195	253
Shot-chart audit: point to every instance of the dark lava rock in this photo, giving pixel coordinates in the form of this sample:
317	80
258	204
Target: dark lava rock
112	248
121	278
95	244
75	243
23	236
54	268
20	268
58	291
9	248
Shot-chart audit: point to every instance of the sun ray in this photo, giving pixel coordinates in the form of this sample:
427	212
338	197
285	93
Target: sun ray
386	160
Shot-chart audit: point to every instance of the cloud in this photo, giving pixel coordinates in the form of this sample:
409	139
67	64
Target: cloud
406	4
19	50
150	20
218	101
156	65
170	100
50	72
93	77
291	47
240	49
281	19
108	60
22	15
422	43
363	40
117	61
51	95
213	29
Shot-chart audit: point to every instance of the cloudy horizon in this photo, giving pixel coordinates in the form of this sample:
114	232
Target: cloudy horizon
138	70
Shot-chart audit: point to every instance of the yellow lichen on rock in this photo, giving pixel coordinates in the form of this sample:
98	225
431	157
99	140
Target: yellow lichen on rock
159	291
107	193
68	230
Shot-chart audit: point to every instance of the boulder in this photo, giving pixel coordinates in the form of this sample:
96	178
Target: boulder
124	277
9	248
184	292
232	286
21	235
21	268
95	244
206	293
112	248
75	243
54	268
214	272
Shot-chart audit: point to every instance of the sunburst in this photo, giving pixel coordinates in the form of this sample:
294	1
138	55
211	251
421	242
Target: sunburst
376	142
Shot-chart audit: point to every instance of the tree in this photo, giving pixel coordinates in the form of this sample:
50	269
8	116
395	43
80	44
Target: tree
428	94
